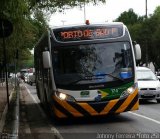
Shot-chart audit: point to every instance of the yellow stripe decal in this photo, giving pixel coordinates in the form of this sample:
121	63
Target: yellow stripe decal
59	114
88	108
109	106
81	109
68	107
126	103
136	106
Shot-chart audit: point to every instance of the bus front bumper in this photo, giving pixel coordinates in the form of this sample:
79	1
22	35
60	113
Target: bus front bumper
65	109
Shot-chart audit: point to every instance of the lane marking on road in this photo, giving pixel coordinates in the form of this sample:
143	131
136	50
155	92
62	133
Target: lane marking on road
29	92
145	117
26	127
56	132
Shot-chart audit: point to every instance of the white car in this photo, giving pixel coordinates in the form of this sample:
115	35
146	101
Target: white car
31	79
26	77
148	84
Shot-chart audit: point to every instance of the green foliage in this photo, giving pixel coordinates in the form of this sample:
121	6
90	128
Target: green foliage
155	37
54	5
29	18
128	17
29	21
146	33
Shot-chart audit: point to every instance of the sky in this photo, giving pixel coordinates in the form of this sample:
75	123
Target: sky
103	12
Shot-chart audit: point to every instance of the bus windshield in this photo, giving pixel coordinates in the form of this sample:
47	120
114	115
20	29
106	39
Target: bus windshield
92	63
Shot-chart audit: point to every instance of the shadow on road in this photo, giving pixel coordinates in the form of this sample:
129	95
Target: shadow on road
92	120
147	102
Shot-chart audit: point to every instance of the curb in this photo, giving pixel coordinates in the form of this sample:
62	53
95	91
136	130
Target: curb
15	128
3	117
10	121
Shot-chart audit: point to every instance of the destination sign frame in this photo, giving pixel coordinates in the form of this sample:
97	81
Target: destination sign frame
87	33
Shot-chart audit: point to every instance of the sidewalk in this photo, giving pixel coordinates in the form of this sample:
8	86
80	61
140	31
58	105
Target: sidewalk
7	114
3	97
24	118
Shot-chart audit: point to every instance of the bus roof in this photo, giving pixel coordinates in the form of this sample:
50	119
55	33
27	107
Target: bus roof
84	32
95	24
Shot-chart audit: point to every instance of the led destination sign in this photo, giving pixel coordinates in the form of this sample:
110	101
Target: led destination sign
87	33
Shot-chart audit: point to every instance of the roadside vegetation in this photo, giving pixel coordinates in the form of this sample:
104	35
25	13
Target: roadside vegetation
30	19
145	31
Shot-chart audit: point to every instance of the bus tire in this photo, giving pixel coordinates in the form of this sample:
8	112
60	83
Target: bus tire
46	104
37	91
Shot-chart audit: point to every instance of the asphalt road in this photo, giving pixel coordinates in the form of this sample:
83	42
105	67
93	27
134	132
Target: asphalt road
143	123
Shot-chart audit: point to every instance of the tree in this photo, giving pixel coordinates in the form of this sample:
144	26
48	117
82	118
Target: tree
53	5
29	21
155	37
146	33
128	17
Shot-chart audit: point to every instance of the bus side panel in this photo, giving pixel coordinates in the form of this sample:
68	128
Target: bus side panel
41	73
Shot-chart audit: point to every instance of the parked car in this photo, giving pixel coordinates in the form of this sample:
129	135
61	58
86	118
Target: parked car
31	79
148	84
26	77
23	72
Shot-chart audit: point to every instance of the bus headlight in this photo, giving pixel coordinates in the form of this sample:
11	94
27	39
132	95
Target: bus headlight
129	91
64	96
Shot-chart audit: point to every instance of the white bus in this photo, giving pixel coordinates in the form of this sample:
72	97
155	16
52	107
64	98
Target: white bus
87	70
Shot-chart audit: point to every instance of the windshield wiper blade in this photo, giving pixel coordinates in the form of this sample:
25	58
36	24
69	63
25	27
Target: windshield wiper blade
107	74
95	77
114	77
85	79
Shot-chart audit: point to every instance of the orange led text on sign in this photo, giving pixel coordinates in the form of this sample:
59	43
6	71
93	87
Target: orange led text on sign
76	34
88	33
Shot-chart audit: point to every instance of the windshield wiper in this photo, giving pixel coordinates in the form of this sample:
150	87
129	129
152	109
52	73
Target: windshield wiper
95	77
115	77
86	78
107	74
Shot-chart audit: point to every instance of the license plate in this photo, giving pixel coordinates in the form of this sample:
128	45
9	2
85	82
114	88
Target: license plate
84	94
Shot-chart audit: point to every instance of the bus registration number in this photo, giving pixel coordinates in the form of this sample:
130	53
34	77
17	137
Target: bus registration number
85	94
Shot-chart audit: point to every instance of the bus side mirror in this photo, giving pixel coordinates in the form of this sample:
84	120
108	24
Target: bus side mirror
46	60
137	51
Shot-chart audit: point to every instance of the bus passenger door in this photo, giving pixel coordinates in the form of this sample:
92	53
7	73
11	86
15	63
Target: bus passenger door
47	77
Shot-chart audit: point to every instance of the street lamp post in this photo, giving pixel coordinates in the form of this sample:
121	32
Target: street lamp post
146	9
84	12
146	38
63	21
